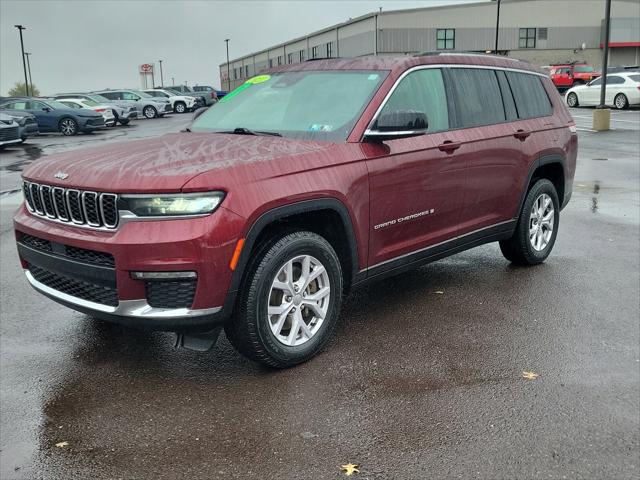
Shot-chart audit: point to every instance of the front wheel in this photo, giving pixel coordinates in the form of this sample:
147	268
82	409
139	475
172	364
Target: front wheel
180	107
621	102
572	100
124	122
537	226
150	112
289	302
68	126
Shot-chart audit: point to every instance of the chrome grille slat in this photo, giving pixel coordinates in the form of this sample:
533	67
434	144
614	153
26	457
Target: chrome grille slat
84	208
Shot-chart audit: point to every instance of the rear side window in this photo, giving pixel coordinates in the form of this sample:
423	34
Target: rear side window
478	100
529	94
635	78
422	90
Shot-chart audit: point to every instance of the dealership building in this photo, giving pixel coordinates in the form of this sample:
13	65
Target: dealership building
539	31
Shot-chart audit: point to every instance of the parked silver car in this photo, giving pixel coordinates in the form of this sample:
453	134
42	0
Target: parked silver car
148	106
9	131
123	111
27	123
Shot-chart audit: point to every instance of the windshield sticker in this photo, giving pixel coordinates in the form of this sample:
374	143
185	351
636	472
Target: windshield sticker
373	76
258	79
233	93
316	127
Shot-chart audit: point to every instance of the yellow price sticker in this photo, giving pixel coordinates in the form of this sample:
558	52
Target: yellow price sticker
258	79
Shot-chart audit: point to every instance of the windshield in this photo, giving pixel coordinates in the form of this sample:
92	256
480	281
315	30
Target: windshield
309	105
583	69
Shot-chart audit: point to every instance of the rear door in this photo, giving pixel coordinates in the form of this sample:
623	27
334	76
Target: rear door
416	183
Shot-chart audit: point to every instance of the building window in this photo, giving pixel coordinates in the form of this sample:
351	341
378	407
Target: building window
246	71
271	63
314	52
329	49
301	54
235	73
279	59
446	39
542	33
289	57
527	38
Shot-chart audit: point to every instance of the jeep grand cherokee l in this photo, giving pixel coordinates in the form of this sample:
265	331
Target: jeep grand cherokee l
300	184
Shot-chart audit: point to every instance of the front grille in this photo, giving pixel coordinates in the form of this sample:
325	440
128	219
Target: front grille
79	254
76	288
9	133
170	293
94	209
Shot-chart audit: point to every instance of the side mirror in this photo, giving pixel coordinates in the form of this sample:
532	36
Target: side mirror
398	124
46	109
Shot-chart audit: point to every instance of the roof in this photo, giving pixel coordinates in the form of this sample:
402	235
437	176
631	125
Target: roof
405	62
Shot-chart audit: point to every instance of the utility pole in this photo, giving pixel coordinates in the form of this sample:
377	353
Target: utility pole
161	78
228	75
173	81
497	28
24	65
602	115
29	69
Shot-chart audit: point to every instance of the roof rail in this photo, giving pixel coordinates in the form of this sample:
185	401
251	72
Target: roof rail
435	53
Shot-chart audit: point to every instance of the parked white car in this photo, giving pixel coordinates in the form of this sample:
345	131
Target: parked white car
180	103
105	110
623	90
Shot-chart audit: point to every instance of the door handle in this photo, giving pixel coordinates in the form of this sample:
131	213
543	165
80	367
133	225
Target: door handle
449	146
521	134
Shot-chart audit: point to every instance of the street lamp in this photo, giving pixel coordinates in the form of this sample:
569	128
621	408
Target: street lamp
29	69
228	75
161	78
24	65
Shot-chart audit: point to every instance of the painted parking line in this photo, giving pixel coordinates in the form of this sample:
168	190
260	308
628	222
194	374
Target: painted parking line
613	119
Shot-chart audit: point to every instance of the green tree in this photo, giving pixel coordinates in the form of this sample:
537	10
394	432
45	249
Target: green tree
19	90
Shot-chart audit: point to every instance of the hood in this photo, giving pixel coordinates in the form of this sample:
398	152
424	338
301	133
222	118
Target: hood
167	163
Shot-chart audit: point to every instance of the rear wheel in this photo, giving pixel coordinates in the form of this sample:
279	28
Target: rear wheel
537	226
290	301
150	112
124	122
621	102
572	100
68	126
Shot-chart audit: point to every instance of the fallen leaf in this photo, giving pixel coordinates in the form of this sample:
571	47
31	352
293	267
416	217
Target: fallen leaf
350	469
62	444
530	375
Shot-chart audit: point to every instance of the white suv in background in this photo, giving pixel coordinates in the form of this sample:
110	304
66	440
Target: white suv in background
150	107
179	103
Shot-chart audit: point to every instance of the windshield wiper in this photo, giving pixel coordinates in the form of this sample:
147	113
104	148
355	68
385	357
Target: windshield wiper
246	131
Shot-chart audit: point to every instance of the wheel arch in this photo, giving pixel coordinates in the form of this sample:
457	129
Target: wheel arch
551	167
307	214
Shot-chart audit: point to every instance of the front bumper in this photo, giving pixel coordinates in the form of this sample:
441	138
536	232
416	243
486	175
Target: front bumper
85	283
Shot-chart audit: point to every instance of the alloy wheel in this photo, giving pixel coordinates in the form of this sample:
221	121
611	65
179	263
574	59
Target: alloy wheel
620	101
180	108
68	126
149	112
541	221
298	300
572	100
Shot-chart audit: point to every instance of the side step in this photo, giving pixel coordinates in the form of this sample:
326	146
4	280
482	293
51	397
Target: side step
199	342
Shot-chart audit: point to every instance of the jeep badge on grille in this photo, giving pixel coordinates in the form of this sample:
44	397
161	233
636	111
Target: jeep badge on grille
61	175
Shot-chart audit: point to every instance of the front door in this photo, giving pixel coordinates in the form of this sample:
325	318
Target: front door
416	186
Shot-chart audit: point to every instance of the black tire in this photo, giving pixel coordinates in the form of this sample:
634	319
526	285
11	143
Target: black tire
249	331
150	112
68	127
572	100
621	101
180	107
124	122
115	118
518	249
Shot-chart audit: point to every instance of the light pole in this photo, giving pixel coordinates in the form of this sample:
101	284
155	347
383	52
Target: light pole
24	65
173	81
602	115
228	75
29	69
497	27
161	78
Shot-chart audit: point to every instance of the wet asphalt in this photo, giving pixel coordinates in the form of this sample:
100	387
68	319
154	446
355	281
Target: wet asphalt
422	380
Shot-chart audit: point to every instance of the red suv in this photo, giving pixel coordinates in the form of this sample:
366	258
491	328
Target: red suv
567	75
297	186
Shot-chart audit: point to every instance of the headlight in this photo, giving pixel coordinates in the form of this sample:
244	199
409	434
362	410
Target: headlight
172	204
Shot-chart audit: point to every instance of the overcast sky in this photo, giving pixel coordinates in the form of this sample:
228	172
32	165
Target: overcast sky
86	45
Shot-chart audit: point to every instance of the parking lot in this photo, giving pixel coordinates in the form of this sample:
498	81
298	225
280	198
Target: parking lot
423	378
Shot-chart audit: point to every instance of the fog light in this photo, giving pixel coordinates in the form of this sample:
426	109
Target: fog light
162	275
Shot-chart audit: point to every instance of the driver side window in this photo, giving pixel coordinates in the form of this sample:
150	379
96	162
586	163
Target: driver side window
129	96
422	91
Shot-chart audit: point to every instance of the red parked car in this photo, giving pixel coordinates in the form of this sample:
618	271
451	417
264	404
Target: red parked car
297	186
567	75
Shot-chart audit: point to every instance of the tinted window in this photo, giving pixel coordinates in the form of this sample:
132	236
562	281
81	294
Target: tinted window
507	96
529	94
478	100
70	104
130	96
111	95
422	90
615	80
583	69
635	78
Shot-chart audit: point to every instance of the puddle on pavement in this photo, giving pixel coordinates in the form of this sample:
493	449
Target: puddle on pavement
28	155
594	199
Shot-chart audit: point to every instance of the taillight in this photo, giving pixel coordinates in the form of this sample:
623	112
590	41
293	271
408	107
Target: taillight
101	110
